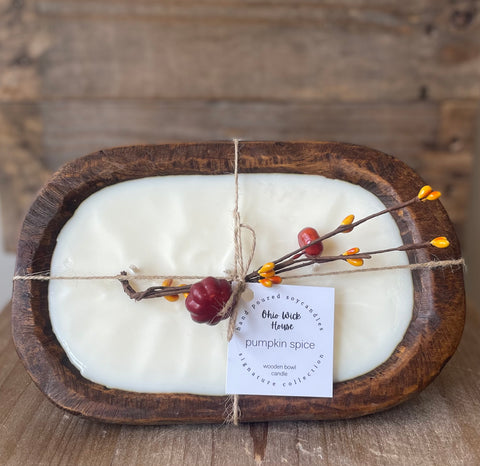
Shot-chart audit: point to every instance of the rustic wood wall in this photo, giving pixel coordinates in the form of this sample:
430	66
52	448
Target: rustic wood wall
402	77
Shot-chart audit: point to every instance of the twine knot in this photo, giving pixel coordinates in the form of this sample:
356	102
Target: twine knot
241	269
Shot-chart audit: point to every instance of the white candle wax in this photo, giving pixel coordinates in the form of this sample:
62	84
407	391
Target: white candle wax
182	225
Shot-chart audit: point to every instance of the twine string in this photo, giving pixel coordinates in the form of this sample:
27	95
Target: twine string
421	265
237	236
241	269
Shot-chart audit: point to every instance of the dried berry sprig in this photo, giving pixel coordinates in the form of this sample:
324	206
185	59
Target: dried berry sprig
164	290
292	261
347	225
353	256
205	299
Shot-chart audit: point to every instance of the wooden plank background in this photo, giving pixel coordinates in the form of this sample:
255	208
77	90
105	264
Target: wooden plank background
402	77
79	76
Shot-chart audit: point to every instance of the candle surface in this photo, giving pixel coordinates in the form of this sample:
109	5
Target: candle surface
183	225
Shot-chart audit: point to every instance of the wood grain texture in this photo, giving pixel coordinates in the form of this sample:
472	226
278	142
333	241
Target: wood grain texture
438	426
404	130
21	47
436	140
430	341
22	171
400	78
261	51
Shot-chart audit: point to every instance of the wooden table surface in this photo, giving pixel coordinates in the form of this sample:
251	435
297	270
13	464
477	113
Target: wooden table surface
440	426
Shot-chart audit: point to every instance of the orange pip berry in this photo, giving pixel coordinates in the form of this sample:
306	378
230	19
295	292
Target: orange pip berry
434	195
440	242
267	267
267	274
172	298
424	192
351	251
348	220
276	279
355	262
266	282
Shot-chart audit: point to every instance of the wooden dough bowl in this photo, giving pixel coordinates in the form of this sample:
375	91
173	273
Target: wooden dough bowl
430	340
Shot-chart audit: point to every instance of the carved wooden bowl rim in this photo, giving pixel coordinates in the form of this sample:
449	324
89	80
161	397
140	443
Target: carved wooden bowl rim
430	340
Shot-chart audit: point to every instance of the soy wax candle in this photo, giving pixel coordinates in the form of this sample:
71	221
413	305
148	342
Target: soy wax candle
181	226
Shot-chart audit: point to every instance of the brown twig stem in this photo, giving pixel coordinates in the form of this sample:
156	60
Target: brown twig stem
287	262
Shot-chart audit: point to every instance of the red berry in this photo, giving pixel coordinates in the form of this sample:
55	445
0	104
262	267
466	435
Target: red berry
307	236
207	298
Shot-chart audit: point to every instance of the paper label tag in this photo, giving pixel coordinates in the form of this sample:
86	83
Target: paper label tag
283	342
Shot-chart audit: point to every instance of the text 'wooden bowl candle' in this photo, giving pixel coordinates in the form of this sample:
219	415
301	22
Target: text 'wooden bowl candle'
47	344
